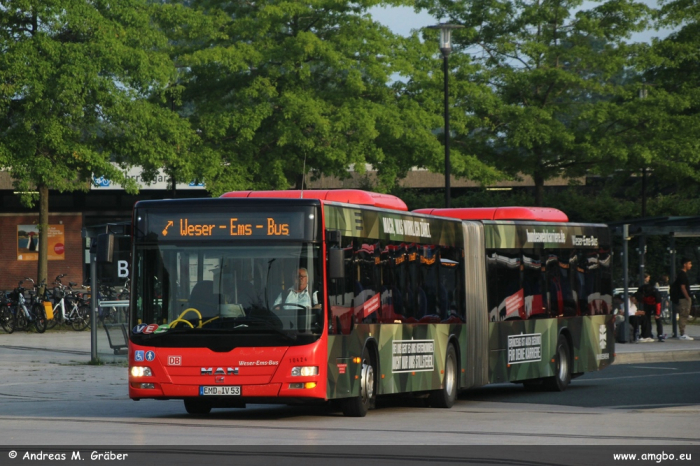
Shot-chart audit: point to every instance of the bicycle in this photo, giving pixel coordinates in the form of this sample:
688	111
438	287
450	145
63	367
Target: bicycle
112	314
7	319
68	309
666	307
26	312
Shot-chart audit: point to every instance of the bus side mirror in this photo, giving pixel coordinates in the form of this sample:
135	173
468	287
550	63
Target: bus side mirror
336	266
333	237
105	248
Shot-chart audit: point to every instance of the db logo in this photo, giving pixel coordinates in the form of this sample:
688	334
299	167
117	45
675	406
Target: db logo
174	360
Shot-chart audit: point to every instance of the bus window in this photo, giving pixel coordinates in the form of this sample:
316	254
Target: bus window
559	278
451	290
428	283
511	303
367	300
532	284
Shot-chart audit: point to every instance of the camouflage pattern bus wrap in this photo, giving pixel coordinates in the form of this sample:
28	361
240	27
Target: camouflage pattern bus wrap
523	350
404	297
411	357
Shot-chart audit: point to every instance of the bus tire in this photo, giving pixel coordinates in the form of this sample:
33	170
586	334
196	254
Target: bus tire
358	406
562	366
197	407
445	397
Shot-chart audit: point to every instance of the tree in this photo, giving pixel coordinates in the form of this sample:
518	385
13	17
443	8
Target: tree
76	77
542	66
288	87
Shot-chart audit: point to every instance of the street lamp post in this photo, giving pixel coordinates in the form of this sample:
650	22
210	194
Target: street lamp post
446	47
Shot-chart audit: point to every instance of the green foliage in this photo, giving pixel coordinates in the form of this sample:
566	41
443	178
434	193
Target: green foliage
74	81
541	68
284	87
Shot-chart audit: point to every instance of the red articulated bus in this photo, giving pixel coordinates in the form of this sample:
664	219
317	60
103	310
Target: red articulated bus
342	296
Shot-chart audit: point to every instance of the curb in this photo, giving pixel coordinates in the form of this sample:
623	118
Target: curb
657	356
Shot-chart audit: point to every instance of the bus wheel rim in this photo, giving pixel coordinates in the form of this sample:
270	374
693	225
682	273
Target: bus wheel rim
367	382
563	365
449	376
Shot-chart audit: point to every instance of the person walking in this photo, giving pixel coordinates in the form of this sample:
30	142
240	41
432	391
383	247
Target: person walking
682	294
650	298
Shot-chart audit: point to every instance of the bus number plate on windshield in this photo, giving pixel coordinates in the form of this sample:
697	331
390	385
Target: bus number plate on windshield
220	390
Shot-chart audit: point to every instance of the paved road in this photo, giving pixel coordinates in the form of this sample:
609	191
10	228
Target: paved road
49	395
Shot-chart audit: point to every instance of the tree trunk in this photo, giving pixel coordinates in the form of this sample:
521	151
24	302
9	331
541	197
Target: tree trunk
43	266
539	189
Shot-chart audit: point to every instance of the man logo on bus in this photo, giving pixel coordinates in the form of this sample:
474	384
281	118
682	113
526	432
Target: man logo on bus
603	337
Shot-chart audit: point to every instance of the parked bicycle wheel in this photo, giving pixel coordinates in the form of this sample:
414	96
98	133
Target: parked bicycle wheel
21	322
7	319
51	323
81	319
39	317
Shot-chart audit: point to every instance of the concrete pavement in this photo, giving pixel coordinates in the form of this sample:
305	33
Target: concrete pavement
668	351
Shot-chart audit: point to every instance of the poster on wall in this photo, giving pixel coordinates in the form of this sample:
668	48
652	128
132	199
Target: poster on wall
28	243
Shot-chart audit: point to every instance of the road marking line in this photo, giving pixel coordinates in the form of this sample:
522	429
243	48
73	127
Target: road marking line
660	368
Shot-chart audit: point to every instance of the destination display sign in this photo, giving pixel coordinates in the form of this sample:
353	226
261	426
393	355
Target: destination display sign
235	225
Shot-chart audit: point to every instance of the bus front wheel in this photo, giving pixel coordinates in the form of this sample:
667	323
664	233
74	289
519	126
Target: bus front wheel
359	405
445	396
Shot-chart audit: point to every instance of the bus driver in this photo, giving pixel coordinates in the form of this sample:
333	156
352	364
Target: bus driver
299	293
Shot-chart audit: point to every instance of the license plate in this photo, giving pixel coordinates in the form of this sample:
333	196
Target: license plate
220	390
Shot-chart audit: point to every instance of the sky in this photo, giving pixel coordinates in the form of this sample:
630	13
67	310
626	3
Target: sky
402	20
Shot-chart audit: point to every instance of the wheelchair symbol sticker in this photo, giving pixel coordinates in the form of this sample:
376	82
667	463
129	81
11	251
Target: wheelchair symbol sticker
138	355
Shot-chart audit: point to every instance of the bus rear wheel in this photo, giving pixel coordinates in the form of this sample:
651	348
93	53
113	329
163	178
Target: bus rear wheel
197	407
562	367
359	405
445	397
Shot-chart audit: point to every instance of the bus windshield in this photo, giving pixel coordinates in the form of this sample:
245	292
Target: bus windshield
233	288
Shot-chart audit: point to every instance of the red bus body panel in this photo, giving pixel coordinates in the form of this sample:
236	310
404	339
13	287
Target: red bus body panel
261	372
538	214
349	196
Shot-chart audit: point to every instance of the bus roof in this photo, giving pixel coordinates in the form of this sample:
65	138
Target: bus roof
538	214
349	196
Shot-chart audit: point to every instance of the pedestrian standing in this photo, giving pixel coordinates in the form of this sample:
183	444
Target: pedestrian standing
681	292
650	298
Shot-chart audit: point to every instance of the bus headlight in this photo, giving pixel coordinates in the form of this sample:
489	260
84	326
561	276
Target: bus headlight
139	371
304	371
